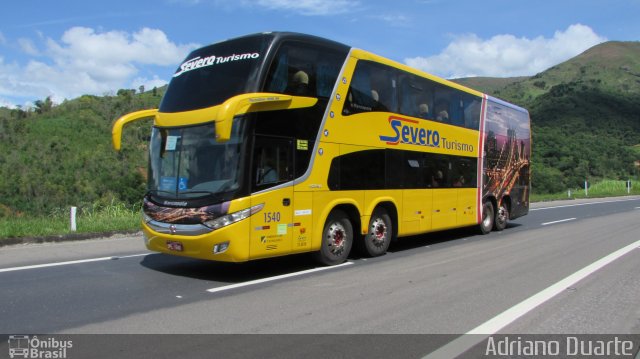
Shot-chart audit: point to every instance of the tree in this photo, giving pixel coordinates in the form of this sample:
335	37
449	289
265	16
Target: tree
44	106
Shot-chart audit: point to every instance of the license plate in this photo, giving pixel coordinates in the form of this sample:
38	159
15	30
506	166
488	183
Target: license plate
174	246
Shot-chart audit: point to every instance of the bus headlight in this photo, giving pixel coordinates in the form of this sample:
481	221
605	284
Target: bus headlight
233	217
146	218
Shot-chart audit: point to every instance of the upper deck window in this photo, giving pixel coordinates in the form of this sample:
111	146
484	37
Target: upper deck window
373	89
304	70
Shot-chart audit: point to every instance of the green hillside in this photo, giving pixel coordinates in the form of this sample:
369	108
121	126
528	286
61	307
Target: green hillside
585	115
61	156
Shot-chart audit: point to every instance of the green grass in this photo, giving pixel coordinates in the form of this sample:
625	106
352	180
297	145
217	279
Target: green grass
604	188
95	219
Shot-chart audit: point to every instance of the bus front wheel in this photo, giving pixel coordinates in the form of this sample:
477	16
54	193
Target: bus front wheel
337	239
488	216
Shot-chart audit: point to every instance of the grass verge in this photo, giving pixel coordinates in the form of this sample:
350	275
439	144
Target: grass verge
605	188
96	219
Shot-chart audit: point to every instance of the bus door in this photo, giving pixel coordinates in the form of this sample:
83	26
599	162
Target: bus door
272	227
445	197
409	170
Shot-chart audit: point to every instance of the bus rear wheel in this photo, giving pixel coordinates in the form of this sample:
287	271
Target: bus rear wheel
378	237
337	239
502	216
487	218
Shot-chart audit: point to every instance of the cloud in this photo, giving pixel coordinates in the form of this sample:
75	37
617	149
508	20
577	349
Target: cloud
308	7
3	40
6	103
148	83
85	61
395	20
506	55
28	47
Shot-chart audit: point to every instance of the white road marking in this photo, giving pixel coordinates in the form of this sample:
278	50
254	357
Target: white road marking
559	221
493	325
45	265
278	277
583	204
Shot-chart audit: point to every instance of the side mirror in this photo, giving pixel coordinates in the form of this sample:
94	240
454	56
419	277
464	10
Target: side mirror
116	132
255	102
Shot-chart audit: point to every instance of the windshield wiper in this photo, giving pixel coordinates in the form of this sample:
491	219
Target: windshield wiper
186	195
154	192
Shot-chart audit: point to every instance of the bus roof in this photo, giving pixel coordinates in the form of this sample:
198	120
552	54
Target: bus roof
507	104
366	55
279	36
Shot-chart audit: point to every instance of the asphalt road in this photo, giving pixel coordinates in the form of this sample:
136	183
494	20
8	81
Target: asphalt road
568	267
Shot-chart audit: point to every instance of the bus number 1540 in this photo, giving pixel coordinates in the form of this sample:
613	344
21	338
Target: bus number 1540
271	217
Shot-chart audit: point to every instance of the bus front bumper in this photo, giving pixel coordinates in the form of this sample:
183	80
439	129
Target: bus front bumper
227	244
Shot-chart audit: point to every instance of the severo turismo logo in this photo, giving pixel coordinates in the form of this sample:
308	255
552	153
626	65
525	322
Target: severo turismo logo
410	132
406	131
200	62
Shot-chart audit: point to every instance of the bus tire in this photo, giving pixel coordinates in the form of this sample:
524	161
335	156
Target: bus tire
487	218
379	233
337	239
502	216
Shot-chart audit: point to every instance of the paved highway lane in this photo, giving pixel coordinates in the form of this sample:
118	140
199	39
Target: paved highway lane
450	282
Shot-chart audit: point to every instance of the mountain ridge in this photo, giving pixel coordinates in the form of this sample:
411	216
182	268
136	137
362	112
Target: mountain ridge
585	115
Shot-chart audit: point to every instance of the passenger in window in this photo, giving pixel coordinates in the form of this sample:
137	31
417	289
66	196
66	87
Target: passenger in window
442	111
375	96
436	181
423	111
443	116
299	84
377	105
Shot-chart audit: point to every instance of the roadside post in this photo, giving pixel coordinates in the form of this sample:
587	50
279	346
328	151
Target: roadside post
73	218
586	188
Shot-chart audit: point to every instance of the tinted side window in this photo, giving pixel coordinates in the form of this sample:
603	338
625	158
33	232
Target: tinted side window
424	98
472	107
395	169
358	170
303	70
445	108
416	96
373	88
272	162
300	126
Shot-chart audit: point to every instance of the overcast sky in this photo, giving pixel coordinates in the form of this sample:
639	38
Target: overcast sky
65	49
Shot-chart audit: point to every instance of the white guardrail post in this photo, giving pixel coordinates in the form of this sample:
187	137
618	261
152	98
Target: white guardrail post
72	218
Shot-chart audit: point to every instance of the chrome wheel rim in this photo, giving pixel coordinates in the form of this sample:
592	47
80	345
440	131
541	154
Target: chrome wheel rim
336	238
378	232
486	218
502	214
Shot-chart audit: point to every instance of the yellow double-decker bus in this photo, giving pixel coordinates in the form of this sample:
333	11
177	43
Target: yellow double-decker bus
280	143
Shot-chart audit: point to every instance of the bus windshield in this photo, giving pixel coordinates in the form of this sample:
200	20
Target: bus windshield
213	74
187	163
